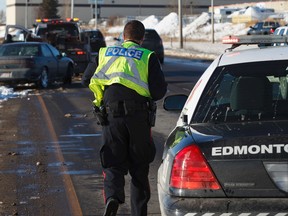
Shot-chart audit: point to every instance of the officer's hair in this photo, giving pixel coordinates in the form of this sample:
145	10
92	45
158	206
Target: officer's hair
134	29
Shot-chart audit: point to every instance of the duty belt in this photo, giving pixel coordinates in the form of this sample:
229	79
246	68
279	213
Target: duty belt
126	107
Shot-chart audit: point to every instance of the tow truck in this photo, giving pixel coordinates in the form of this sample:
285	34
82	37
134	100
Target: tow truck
65	35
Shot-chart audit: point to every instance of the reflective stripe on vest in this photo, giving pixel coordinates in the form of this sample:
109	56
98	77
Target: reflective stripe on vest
135	79
106	73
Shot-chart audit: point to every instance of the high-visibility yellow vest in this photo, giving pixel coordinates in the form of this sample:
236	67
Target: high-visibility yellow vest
126	65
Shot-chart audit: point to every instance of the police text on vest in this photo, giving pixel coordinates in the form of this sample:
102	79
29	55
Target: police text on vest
119	51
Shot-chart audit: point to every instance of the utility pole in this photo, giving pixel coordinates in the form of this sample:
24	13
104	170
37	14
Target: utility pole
92	11
96	14
212	20
180	23
26	13
72	8
139	8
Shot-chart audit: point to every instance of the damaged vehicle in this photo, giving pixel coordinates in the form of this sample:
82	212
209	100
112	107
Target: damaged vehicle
64	35
34	62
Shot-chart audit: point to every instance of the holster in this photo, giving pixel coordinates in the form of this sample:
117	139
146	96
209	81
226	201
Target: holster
152	113
101	115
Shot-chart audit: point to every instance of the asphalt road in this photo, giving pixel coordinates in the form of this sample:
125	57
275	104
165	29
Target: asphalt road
49	144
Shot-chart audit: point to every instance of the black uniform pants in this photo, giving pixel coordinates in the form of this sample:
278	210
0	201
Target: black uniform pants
128	147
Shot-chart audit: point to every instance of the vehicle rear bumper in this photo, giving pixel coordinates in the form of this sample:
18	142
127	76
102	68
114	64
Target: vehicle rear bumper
23	75
181	206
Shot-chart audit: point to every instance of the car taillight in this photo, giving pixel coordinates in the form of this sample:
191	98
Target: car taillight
191	171
80	53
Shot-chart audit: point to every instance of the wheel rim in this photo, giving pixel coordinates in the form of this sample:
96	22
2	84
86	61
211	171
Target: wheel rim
44	78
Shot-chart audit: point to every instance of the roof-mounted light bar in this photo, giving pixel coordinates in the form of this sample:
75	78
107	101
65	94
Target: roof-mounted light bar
75	19
45	20
230	40
254	39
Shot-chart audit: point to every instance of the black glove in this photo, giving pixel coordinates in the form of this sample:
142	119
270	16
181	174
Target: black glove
101	115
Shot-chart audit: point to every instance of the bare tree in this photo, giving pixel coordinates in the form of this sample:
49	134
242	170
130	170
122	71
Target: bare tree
49	9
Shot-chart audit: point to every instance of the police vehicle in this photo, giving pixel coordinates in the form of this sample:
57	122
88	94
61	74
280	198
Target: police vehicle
228	154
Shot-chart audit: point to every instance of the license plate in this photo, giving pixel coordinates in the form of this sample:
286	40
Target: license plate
5	75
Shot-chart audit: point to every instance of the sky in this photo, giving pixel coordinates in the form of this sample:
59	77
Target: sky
199	29
2	4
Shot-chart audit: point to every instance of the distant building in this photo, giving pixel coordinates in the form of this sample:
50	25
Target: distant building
250	12
18	12
223	14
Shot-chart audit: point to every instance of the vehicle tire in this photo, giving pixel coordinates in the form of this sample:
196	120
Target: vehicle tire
69	74
161	60
43	82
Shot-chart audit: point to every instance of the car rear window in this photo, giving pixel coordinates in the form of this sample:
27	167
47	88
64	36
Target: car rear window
60	29
270	24
18	50
96	34
281	31
151	34
245	92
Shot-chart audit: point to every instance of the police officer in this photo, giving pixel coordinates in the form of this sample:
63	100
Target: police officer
127	80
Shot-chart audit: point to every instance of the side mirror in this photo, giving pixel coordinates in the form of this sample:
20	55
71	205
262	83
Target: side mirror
174	102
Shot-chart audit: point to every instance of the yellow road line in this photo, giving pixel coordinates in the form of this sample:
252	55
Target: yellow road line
74	205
